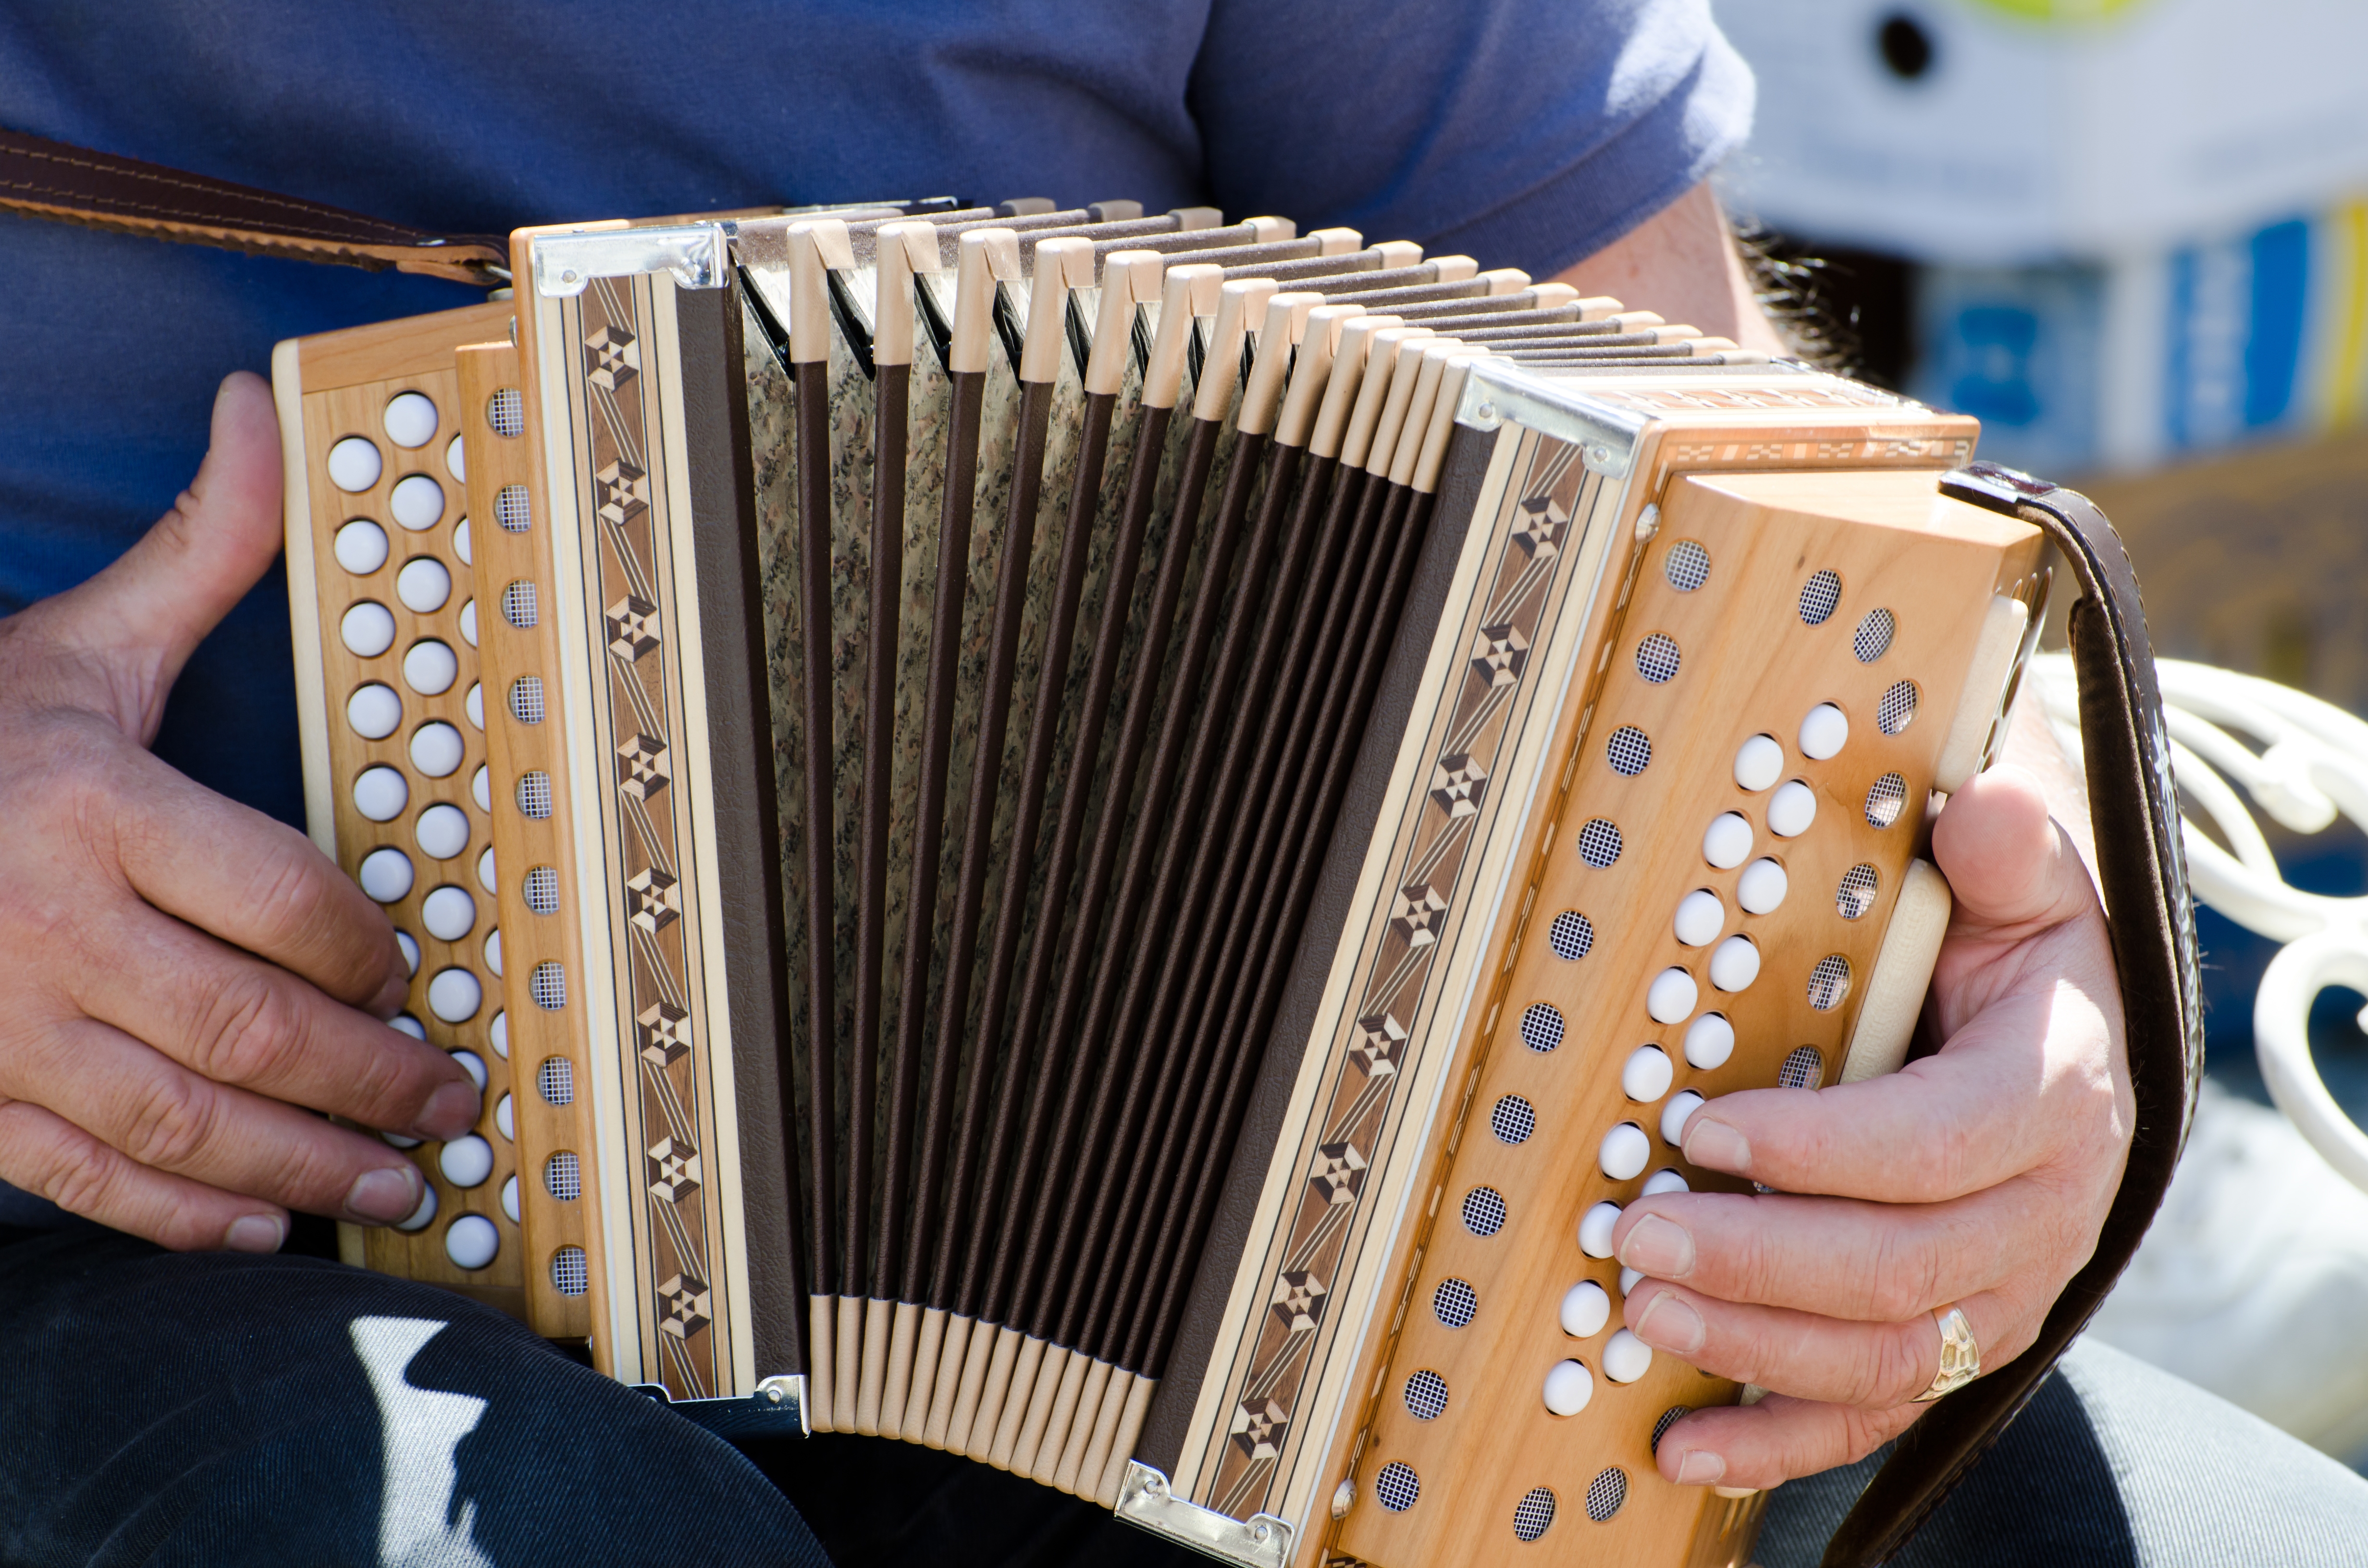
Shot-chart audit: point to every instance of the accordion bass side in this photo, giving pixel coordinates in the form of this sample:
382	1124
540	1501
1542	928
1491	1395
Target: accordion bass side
1109	841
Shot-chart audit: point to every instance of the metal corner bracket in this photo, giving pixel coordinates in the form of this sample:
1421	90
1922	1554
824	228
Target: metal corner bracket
697	253
1606	434
1144	1498
777	1409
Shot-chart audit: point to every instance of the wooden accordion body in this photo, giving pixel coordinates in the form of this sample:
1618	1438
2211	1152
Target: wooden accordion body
1301	732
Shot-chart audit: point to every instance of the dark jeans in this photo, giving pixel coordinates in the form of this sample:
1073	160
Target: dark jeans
219	1409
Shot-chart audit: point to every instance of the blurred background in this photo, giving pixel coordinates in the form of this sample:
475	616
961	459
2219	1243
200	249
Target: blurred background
2131	236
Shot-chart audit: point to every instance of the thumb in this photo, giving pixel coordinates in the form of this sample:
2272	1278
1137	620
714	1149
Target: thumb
2010	867
142	617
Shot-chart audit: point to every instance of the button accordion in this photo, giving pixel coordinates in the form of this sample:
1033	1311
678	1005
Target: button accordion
1110	842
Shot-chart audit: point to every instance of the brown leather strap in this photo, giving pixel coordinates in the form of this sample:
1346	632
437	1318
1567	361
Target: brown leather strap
73	185
2135	811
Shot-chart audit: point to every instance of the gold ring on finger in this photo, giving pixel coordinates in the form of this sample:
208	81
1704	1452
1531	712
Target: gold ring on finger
1961	1357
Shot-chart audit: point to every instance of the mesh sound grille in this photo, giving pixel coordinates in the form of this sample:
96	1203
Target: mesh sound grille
1668	1419
1483	1211
1829	983
1856	895
1570	936
1656	659
526	699
1513	1119
1686	566
1819	594
547	985
534	795
1453	1303
1426	1396
506	412
556	1079
1606	1493
1885	800
512	510
1873	636
542	889
569	1276
1630	751
1599	843
564	1177
1898	709
519	605
1805	1069
1396	1487
1541	1027
1533	1512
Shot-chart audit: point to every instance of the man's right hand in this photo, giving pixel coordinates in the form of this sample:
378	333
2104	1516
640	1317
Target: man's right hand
182	973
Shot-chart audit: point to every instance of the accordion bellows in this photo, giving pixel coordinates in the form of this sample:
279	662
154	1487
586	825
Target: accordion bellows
1109	841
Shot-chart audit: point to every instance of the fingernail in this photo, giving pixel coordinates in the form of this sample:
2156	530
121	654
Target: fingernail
1667	1323
256	1233
385	1195
452	1110
1715	1146
1701	1468
1659	1247
391	997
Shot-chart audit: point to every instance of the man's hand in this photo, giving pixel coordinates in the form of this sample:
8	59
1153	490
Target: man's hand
182	973
1979	1175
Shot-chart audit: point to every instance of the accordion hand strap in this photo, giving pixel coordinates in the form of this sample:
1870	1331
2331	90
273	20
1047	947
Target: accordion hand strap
50	179
2139	860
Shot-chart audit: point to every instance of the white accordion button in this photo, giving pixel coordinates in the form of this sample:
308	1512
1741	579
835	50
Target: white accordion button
472	1064
456	458
410	420
448	913
475	704
1701	917
1761	888
1824	733
1665	1180
1672	997
1710	1041
500	1033
1585	1310
442	832
381	793
430	668
423	584
1735	964
354	465
1682	1104
1624	1152
367	629
469	623
466	1162
1791	810
1647	1075
454	996
410	946
422	1216
435	750
1627	1358
506	1117
493	953
397	1139
1595	1230
1758	763
510	1199
460	545
403	1023
1569	1386
385	874
1628	1282
362	547
1727	844
417	502
481	787
471	1242
485	873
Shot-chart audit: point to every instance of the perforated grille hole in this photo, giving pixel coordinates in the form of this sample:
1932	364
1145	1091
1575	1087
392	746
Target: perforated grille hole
556	1079
526	699
1630	751
1873	636
1599	843
512	510
1668	1419
1513	1119
542	889
547	985
1453	1303
534	795
1898	709
1541	1025
1426	1396
506	412
1606	1493
1656	659
1484	1211
1396	1487
1885	800
1805	1069
1829	983
1820	595
1570	936
1686	566
564	1177
569	1273
1533	1512
1856	895
520	607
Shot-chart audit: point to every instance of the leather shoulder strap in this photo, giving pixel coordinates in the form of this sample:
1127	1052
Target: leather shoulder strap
2134	813
73	185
